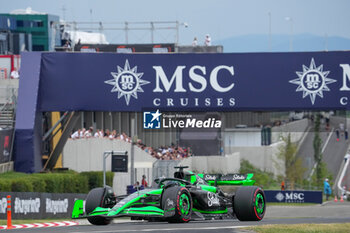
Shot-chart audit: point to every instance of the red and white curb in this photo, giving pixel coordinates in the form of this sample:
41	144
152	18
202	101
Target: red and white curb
37	225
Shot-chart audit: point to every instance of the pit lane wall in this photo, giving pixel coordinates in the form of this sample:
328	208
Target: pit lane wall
86	155
32	205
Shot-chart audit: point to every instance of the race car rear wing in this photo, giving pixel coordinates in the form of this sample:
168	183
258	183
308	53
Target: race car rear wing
228	179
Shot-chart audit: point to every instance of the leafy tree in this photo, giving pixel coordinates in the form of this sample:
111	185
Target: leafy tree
294	169
317	143
324	173
263	179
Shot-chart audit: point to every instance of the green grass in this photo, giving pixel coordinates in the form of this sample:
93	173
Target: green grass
303	228
29	221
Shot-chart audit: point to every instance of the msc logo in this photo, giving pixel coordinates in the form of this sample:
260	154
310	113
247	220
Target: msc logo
312	81
151	120
279	196
127	82
290	197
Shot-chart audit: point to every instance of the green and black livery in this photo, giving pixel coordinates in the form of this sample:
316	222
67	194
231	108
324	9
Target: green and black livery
187	196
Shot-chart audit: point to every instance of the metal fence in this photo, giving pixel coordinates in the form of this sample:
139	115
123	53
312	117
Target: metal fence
8	95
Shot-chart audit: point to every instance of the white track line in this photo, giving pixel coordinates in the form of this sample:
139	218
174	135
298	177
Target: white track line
169	229
39	225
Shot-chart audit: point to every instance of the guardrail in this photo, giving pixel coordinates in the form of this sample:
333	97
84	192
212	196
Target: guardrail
8	94
6	167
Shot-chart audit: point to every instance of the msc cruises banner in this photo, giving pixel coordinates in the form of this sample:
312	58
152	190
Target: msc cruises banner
293	196
219	82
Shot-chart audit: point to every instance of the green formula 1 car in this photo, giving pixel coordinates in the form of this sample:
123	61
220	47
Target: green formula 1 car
185	197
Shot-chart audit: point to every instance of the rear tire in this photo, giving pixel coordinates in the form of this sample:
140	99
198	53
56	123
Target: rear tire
249	203
183	203
95	199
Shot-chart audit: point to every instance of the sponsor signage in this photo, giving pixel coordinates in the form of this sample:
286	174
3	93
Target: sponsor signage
194	82
290	196
227	177
119	163
26	205
5	145
173	82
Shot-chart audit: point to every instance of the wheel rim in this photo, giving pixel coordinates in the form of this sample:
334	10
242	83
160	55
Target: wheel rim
259	203
184	204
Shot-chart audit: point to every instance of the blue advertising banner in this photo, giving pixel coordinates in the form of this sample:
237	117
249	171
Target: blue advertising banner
290	196
224	82
172	82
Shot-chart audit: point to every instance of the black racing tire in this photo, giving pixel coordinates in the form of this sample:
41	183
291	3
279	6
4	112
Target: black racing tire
99	220
95	199
249	203
183	203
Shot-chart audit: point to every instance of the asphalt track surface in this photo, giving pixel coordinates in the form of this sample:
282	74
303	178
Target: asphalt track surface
200	226
328	213
333	154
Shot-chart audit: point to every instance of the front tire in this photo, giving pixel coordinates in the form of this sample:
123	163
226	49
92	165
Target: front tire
249	203
99	220
95	199
183	203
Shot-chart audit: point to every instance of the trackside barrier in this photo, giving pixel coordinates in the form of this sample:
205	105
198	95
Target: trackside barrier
293	196
32	205
9	222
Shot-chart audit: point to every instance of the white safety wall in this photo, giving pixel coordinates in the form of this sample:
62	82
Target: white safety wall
242	137
87	155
